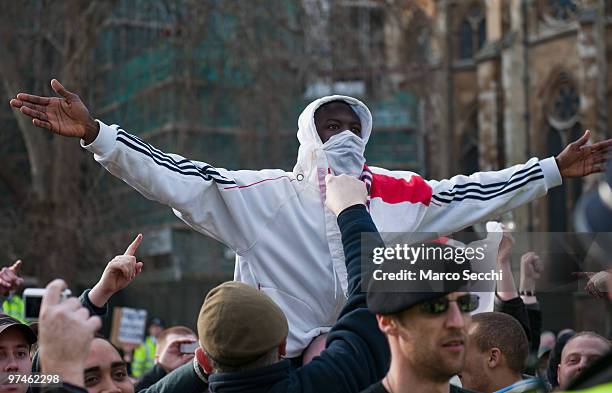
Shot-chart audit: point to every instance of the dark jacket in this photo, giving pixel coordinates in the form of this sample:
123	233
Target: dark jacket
535	325
380	388
183	380
356	354
150	377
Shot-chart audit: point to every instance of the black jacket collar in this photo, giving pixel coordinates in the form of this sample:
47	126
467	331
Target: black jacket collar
250	381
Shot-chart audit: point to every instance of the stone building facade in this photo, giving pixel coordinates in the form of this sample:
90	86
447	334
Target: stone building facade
521	78
517	79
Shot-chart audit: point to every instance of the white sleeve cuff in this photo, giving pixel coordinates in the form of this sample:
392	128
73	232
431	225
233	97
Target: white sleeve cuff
104	142
552	176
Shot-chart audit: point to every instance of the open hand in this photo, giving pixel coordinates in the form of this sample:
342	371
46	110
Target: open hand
66	116
579	159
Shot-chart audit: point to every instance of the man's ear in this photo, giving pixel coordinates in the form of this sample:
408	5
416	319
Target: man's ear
495	357
203	360
282	349
387	324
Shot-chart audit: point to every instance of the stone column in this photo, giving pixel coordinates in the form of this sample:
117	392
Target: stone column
489	111
515	99
437	118
593	72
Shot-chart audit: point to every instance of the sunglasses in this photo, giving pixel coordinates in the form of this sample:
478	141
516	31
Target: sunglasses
466	303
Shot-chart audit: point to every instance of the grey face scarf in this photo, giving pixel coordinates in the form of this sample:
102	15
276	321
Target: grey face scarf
344	152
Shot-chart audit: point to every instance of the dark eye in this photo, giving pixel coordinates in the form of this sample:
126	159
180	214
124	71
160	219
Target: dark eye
356	130
21	354
91	380
332	127
120	375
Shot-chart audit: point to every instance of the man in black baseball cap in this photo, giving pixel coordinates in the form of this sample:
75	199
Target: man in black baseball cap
425	323
16	340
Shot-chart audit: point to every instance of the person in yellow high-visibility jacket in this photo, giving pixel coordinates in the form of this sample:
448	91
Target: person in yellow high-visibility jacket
9	282
144	354
13	307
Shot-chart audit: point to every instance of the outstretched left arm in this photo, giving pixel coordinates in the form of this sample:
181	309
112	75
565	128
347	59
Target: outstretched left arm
464	200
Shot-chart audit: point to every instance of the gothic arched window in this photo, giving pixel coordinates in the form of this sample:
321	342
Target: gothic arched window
560	10
466	45
563	110
472	33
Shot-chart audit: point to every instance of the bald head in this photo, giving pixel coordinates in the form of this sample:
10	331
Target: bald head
579	352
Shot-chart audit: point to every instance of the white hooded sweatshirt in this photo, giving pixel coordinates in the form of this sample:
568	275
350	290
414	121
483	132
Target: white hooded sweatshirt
287	243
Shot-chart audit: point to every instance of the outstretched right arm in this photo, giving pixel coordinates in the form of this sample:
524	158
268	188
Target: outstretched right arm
210	200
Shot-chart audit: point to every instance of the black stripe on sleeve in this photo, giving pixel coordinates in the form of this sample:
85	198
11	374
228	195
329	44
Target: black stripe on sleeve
490	185
489	192
156	152
182	166
486	198
194	171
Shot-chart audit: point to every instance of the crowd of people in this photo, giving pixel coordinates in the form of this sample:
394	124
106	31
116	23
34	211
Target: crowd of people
296	318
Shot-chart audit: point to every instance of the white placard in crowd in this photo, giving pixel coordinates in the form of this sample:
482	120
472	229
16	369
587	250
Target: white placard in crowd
129	325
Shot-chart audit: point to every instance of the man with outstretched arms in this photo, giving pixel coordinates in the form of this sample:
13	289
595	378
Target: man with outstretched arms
287	243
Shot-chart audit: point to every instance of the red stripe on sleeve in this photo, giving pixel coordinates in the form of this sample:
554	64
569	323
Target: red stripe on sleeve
393	190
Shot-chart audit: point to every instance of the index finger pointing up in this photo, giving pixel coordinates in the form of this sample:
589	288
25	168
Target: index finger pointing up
16	266
131	250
